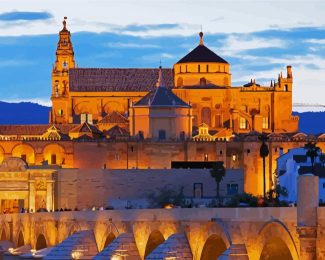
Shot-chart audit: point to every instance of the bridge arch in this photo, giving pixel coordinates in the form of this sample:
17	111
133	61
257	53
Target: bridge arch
154	240
212	234
105	234
40	242
213	247
275	237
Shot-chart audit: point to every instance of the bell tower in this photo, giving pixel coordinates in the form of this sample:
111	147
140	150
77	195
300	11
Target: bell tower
60	77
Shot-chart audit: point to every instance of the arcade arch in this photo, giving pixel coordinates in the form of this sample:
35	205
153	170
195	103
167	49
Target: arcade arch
54	154
41	242
20	240
24	151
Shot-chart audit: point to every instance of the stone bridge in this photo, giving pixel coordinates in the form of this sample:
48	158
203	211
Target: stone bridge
193	233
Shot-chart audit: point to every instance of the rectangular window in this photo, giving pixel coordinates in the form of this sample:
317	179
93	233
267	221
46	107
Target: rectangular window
53	158
83	118
90	119
162	135
265	123
242	123
232	189
198	190
206	157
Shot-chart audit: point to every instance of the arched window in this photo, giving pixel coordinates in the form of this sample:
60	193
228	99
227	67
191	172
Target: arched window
203	82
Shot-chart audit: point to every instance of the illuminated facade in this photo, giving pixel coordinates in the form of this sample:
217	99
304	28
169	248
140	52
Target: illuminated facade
201	79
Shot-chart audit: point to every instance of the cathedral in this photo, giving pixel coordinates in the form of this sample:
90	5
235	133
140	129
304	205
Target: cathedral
169	101
105	119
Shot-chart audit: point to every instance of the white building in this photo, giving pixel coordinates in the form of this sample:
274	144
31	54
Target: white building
294	163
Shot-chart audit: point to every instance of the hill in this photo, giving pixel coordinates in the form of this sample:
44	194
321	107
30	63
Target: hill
32	113
23	113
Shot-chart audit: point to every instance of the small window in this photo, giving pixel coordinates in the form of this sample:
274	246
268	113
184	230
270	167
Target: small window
141	136
182	136
220	152
199	68
60	112
286	88
198	190
234	157
207	68
203	82
65	64
265	123
162	135
242	123
248	150
117	157
206	157
232	189
53	158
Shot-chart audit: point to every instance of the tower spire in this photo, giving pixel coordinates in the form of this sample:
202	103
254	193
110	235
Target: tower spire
201	36
160	80
65	23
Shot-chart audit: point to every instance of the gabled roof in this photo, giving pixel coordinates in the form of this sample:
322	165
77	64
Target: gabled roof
114	118
116	131
85	128
202	54
124	80
161	97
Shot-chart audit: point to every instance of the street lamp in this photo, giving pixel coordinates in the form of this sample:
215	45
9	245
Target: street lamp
264	152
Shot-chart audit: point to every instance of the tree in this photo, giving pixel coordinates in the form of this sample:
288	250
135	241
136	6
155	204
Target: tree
312	152
217	172
264	152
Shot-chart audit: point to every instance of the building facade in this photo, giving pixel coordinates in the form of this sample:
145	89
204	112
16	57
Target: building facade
201	78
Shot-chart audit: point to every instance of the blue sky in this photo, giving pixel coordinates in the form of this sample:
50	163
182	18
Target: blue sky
258	38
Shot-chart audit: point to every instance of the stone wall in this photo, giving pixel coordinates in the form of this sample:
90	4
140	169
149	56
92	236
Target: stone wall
85	188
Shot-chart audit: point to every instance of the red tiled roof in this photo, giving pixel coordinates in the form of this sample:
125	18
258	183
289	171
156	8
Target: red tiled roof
32	129
85	128
125	80
114	118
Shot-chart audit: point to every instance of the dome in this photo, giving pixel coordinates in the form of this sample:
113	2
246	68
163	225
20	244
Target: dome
202	54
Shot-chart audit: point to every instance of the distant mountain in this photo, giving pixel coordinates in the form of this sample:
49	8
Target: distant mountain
311	122
32	113
23	113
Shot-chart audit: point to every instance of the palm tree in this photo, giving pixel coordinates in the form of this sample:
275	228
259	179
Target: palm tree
312	152
264	152
217	172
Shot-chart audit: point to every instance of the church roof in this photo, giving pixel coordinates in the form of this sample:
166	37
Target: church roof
33	129
202	54
161	97
124	80
85	128
114	118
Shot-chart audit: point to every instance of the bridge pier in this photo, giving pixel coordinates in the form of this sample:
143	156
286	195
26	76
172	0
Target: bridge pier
307	203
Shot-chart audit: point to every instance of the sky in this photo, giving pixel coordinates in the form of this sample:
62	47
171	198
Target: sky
258	39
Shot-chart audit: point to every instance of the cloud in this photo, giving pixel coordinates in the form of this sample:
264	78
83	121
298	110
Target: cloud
234	45
24	16
131	45
316	41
